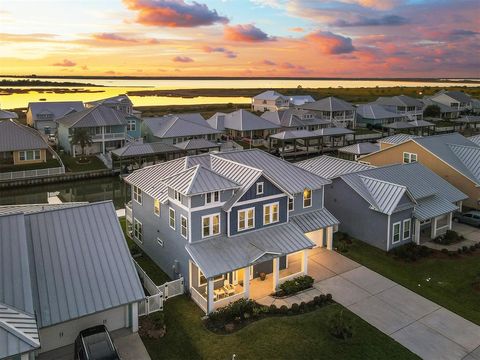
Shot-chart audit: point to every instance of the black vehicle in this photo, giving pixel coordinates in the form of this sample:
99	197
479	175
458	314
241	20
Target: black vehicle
95	343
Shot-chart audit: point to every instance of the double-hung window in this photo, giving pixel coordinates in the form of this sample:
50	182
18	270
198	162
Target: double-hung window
29	155
171	218
137	230
260	188
291	204
184	226
396	232
156	207
407	228
210	225
213	197
409	157
177	196
270	213
131	125
137	194
246	219
307	198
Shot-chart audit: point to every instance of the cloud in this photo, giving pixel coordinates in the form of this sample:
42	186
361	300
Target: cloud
461	33
246	33
122	40
287	65
35	37
174	13
330	43
387	20
297	29
182	59
228	53
268	62
113	37
65	63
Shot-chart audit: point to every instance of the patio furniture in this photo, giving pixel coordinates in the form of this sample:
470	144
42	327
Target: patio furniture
218	293
228	288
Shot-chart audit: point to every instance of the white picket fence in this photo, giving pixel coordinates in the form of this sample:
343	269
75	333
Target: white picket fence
172	288
27	174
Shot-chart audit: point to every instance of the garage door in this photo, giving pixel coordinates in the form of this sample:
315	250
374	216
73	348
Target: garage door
64	334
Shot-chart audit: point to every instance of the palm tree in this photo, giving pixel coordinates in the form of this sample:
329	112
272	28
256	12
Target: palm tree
81	137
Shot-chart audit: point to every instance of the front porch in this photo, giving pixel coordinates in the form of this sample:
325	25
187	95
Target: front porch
427	230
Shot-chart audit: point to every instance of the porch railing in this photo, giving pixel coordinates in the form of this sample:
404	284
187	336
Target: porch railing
26	174
225	301
199	299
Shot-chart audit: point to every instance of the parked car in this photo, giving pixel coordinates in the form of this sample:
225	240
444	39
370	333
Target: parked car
470	218
95	343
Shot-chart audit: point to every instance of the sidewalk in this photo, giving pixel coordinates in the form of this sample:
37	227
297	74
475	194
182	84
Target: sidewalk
423	327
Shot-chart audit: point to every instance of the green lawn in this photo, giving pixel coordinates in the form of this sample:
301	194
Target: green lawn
289	337
50	163
71	163
444	280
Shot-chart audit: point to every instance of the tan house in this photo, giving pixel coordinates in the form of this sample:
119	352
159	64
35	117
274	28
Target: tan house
451	156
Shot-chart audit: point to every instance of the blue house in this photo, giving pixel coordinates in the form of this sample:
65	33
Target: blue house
226	221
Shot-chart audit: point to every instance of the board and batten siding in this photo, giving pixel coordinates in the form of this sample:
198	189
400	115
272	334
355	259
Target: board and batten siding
269	189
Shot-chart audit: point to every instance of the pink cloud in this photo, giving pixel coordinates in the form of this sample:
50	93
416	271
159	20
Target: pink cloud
246	33
330	43
228	53
65	63
182	59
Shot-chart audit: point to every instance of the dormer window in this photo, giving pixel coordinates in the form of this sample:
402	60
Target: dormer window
260	188
177	196
213	197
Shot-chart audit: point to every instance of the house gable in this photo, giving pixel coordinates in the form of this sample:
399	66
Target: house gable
269	189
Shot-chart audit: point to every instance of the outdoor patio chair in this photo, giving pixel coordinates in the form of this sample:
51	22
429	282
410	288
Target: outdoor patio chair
229	288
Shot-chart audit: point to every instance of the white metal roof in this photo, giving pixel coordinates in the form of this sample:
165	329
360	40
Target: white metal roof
397	139
330	167
99	115
314	220
330	104
360	148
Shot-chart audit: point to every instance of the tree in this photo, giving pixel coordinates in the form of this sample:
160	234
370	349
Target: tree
81	137
432	111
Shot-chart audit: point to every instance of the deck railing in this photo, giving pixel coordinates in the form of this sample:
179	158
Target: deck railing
199	299
28	174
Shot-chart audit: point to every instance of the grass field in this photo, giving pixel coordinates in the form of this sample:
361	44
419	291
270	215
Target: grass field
50	163
71	163
448	281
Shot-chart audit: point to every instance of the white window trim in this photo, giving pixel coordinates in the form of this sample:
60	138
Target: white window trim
135	222
409	155
155	201
262	185
270	205
186	226
211	216
200	273
293	204
170	217
399	223
246	219
212	194
311	199
137	195
159	241
409	221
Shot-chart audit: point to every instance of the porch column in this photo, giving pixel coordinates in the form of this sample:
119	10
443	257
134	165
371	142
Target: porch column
275	273
417	232
450	217
210	296
246	282
134	309
305	262
433	228
329	238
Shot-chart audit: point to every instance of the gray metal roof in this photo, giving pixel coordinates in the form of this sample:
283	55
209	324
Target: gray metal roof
468	119
123	98
194	144
421	123
314	220
475	139
5	115
375	111
80	263
293	117
397	139
243	120
294	134
14	137
198	180
57	108
179	125
330	103
428	101
98	115
269	95
360	148
331	167
399	100
32	208
333	131
433	206
298	100
223	254
456	95
400	125
141	149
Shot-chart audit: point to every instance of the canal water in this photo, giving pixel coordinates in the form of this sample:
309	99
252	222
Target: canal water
91	190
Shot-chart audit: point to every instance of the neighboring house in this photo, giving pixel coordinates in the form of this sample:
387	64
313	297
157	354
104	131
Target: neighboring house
296	119
339	112
396	139
410	108
475	139
451	156
475	106
43	115
456	100
223	220
446	112
243	125
21	145
297	100
374	114
7	115
387	206
354	151
64	269
173	129
107	128
269	101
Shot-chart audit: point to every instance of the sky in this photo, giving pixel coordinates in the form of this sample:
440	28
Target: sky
295	38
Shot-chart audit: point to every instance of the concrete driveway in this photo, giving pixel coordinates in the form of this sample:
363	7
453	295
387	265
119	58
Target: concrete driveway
471	234
423	327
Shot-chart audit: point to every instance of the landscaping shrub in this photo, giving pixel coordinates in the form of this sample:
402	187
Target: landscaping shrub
295	285
472	248
235	310
283	309
273	309
328	297
342	246
450	237
323	298
411	252
465	249
340	326
295	308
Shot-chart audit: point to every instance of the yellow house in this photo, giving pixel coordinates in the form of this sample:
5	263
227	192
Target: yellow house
451	156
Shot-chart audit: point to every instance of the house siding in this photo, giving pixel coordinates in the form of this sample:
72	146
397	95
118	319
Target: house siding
17	161
269	189
317	202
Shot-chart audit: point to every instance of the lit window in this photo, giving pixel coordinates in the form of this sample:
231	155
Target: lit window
396	232
29	155
156	207
184	226
407	225
246	219
291	204
213	197
270	213
409	157
171	218
137	194
137	230
210	225
260	188
307	198
202	280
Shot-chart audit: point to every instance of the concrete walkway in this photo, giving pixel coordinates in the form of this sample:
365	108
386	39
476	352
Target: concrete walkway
471	234
423	327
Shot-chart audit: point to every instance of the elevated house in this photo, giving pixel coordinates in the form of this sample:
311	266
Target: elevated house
375	115
107	128
296	119
297	100
339	112
64	269
269	101
446	111
451	156
177	128
458	101
410	108
387	206
43	115
225	221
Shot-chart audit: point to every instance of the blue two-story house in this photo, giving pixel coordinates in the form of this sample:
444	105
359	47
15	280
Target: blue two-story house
233	225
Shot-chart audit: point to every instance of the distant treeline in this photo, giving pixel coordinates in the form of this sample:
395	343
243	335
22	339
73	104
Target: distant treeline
35	83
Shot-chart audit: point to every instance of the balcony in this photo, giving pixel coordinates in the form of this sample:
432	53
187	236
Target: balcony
108	136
